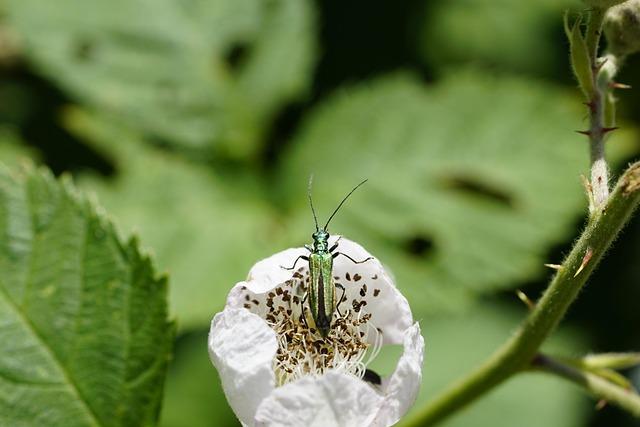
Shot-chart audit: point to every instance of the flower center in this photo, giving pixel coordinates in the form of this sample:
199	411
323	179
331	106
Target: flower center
303	351
352	343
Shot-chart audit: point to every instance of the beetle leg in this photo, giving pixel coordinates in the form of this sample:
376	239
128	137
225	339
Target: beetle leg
303	316
295	262
338	285
352	260
335	245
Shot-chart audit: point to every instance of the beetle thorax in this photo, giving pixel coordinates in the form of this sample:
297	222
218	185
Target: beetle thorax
320	241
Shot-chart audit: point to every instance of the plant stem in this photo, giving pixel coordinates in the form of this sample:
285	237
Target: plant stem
597	130
596	385
518	352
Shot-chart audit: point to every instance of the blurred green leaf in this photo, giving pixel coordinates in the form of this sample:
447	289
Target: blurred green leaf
457	344
12	149
206	228
197	73
84	313
507	34
470	181
194	395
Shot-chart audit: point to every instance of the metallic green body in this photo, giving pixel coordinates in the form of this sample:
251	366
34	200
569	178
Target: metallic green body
322	289
322	300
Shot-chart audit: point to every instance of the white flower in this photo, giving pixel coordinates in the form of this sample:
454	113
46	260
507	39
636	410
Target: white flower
276	369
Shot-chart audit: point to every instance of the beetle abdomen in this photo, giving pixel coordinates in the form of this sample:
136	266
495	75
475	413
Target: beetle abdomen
322	291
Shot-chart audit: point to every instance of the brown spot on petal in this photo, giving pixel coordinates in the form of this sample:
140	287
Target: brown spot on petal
356	277
376	292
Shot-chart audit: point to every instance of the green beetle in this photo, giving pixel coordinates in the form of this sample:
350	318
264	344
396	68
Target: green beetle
322	289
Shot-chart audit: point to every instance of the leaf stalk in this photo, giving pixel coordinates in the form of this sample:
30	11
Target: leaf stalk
596	385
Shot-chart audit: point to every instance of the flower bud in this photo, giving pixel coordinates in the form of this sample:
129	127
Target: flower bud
622	28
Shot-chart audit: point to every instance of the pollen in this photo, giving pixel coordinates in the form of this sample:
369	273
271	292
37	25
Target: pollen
352	343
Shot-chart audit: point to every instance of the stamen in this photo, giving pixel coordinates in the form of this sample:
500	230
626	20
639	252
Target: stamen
303	351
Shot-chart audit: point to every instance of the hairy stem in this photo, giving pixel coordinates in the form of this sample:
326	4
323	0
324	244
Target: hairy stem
594	30
598	386
597	129
518	352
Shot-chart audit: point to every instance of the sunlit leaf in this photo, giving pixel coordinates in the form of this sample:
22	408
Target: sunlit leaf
84	313
206	228
196	73
470	181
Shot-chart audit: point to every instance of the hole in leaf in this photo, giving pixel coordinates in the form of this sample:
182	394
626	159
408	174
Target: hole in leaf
236	55
478	188
419	246
84	49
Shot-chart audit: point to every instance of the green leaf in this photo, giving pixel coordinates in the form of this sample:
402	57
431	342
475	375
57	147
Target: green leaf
84	319
197	73
12	149
504	34
470	181
580	61
206	228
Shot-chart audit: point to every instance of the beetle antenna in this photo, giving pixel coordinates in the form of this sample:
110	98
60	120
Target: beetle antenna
342	202
315	218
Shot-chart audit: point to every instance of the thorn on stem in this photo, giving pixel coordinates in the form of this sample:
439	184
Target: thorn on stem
590	105
585	259
584	132
556	267
599	66
607	130
525	299
601	404
616	85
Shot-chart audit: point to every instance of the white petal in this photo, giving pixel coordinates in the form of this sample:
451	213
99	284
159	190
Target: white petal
266	275
389	308
334	399
401	389
242	347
